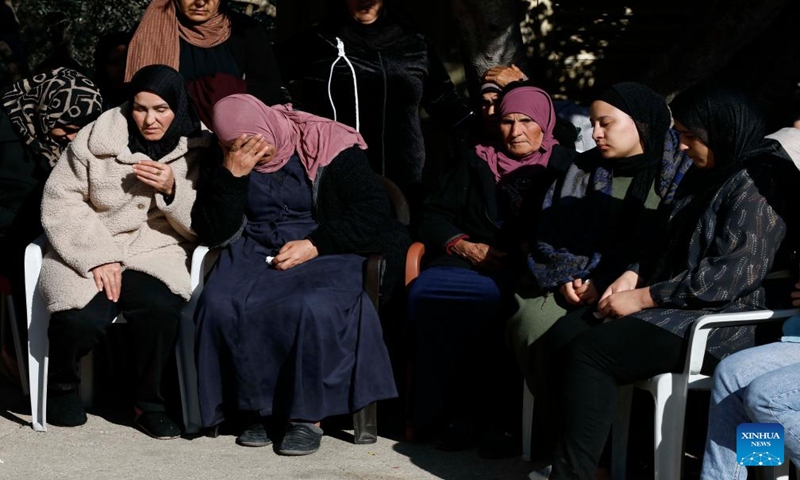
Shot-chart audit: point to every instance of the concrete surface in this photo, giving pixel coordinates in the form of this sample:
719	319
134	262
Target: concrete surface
107	448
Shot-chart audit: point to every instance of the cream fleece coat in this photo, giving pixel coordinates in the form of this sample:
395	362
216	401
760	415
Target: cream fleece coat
95	211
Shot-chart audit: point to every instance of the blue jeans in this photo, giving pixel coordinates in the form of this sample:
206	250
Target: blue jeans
757	385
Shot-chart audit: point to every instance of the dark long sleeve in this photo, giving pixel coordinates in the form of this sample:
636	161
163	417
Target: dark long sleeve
253	52
731	252
440	98
218	213
353	207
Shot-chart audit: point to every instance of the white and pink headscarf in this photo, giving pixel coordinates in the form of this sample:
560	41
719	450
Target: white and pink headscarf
316	140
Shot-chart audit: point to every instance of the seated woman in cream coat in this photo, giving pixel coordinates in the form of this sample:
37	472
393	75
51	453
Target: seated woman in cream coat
117	213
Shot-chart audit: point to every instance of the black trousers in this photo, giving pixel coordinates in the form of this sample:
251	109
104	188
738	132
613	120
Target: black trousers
595	361
153	313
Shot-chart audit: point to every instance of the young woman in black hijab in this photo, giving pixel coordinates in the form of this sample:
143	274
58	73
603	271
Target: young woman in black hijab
722	234
117	214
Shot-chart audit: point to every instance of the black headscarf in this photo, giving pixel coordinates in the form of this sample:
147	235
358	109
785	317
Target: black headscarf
168	84
650	114
729	124
388	28
57	98
732	127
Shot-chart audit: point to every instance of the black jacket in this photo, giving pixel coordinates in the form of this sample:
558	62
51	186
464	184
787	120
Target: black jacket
352	209
251	49
393	83
467	204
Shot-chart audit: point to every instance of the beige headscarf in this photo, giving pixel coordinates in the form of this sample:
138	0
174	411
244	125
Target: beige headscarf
157	40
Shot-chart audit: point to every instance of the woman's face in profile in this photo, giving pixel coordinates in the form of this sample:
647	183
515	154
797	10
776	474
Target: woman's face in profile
364	11
152	115
521	135
198	11
701	155
614	131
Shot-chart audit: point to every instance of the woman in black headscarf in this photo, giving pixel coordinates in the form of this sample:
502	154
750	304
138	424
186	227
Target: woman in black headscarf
721	237
387	72
117	214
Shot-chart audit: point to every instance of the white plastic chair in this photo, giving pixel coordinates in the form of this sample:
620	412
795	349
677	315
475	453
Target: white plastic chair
669	392
38	343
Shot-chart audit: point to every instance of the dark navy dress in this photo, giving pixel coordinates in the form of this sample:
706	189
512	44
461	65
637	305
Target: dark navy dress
305	343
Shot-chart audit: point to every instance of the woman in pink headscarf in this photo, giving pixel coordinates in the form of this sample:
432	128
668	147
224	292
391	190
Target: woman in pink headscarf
472	230
284	327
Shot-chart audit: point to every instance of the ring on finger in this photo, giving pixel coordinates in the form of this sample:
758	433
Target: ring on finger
158	173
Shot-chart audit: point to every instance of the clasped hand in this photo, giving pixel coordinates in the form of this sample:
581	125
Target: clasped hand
157	175
622	297
580	292
480	254
294	253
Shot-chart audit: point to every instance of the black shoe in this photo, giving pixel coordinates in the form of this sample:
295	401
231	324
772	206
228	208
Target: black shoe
254	436
457	437
65	409
301	439
158	425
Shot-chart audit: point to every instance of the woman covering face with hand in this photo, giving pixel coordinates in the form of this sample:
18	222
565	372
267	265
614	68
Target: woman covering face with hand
284	327
117	214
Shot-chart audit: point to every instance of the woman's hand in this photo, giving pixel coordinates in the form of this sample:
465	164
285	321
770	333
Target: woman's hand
625	303
245	153
480	254
626	281
580	292
294	253
157	175
108	277
796	295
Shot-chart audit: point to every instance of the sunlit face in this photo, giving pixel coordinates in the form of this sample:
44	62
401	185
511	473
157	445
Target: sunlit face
521	135
364	11
701	155
198	11
152	115
614	131
488	109
64	134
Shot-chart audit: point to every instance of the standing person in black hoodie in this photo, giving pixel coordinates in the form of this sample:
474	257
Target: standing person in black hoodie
218	52
387	72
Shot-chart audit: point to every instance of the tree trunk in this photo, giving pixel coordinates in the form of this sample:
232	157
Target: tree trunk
490	36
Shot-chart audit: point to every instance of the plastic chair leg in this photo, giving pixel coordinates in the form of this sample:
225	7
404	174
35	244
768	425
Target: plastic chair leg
670	414
365	425
527	421
38	344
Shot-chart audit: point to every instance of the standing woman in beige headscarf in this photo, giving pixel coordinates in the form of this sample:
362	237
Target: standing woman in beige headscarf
219	52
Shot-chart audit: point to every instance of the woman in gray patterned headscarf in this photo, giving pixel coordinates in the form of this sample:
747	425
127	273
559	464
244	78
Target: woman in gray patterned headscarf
47	110
38	117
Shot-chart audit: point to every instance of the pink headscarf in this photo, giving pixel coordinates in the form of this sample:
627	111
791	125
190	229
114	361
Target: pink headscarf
316	140
535	103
